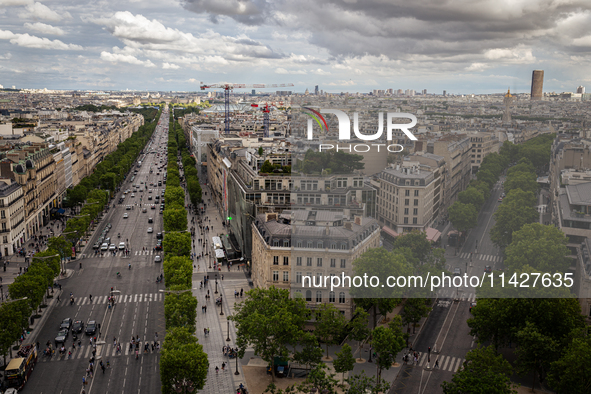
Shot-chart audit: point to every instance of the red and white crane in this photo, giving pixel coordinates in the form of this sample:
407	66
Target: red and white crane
230	86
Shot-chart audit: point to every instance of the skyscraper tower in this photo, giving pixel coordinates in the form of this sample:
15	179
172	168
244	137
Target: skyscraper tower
316	90
537	84
508	101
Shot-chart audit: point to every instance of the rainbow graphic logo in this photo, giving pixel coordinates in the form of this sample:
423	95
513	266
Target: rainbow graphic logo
316	115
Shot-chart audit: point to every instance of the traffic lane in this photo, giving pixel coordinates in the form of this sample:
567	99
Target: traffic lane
56	377
432	325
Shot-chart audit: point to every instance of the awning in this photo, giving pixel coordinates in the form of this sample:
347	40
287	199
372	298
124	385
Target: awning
219	254
61	210
433	234
389	231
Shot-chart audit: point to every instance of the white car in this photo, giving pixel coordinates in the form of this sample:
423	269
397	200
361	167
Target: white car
121	245
157	259
105	246
112	247
125	215
150	230
132	195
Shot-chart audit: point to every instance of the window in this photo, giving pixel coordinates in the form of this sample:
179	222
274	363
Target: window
3	214
308	295
343	246
275	276
5	239
310	245
298	261
414	220
285	260
407	193
275	260
275	242
416	193
416	203
331	297
333	263
415	211
299	244
309	261
318	296
319	262
343	263
333	246
298	277
405	220
286	276
406	211
320	245
406	201
285	243
342	297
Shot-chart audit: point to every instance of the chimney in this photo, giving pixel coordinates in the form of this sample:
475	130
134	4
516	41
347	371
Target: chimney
270	216
357	220
327	230
348	226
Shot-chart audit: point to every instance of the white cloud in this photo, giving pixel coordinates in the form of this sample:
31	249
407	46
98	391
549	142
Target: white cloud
45	29
121	58
320	71
170	66
9	3
281	70
43	12
28	41
6	57
478	67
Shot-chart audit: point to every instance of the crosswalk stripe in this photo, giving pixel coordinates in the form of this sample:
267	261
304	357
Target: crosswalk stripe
444	365
140	300
423	358
135	298
126	349
458	363
87	351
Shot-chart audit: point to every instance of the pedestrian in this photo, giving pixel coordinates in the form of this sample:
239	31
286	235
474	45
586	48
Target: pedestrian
205	307
223	366
217	369
437	363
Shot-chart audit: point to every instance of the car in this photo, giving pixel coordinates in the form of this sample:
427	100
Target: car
121	245
66	323
157	198
457	272
500	199
487	269
91	328
96	246
105	246
150	191
150	198
158	246
159	236
159	183
125	215
112	247
153	206
503	195
128	207
61	336
132	195
150	230
151	183
108	240
77	326
161	211
144	210
157	259
472	305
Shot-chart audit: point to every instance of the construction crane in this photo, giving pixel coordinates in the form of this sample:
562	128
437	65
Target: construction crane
266	109
229	86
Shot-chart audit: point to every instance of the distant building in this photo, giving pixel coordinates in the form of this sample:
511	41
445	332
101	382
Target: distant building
316	90
254	92
444	93
537	84
581	90
508	101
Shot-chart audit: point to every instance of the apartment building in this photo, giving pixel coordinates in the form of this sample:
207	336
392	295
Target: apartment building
409	197
482	145
12	217
582	279
292	245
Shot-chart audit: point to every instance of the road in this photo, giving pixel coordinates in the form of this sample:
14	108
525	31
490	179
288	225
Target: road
446	331
139	308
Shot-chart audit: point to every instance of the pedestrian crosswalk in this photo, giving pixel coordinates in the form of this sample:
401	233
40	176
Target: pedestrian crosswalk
120	298
121	253
453	294
105	352
445	363
483	257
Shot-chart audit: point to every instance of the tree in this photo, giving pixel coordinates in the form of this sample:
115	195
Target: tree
330	324
363	384
180	310
182	361
387	343
261	151
472	196
417	242
541	247
177	244
535	352
175	219
345	361
109	181
487	177
358	329
572	372
515	211
463	216
311	353
61	246
175	197
484	371
269	320
178	271
319	379
522	180
267	167
415	309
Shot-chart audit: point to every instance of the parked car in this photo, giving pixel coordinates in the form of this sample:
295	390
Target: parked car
66	323
91	328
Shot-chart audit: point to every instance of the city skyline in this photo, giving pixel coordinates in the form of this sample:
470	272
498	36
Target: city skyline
352	46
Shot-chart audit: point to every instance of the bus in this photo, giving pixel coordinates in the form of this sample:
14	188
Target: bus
18	370
230	251
139	164
220	256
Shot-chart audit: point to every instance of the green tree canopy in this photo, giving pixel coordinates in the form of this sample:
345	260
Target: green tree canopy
175	219
472	196
515	211
177	244
463	216
182	361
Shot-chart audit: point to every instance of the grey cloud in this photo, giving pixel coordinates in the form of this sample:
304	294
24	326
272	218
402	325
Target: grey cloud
248	12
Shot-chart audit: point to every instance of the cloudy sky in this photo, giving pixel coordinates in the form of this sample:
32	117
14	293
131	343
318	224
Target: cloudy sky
462	46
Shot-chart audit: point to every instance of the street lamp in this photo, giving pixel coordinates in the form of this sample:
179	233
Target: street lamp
228	321
221	305
216	283
46	257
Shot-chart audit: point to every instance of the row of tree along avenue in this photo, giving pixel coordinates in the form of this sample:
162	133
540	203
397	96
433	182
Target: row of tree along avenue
29	293
542	322
183	363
